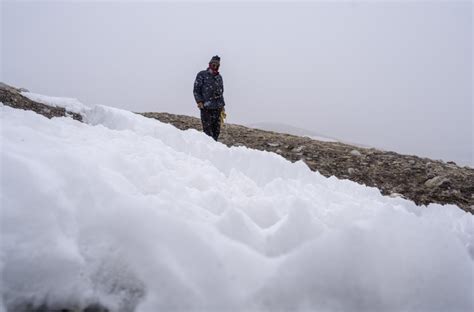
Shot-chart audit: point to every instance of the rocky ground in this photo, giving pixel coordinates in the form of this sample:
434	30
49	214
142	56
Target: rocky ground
422	180
11	96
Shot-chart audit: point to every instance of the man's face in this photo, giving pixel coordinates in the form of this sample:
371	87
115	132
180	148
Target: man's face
214	65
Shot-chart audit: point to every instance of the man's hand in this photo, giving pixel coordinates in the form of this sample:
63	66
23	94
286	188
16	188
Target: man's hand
200	105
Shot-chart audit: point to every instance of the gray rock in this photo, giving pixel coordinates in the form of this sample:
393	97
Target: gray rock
436	181
298	149
356	153
394	195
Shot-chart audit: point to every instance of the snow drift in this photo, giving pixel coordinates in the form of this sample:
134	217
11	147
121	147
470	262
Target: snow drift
139	216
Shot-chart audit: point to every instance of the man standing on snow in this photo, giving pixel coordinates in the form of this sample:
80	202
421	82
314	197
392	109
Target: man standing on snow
209	96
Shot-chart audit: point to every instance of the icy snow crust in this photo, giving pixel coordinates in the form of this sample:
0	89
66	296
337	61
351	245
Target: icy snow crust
137	215
70	104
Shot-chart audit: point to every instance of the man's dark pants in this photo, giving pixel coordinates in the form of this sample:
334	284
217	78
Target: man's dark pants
211	122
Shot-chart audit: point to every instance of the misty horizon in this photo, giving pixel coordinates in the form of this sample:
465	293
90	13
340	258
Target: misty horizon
390	75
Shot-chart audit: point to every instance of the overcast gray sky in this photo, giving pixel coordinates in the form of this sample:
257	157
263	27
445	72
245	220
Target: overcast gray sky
395	75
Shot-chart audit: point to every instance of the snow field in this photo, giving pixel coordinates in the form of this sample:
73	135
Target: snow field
135	214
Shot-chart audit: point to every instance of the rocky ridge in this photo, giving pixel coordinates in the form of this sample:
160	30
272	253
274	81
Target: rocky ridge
11	96
421	180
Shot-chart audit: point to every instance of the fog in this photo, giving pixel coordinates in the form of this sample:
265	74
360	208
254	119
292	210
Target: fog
392	75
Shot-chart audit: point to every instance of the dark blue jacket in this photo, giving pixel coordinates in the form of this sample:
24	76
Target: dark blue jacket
209	89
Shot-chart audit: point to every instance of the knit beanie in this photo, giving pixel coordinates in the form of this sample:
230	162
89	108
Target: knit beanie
215	59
